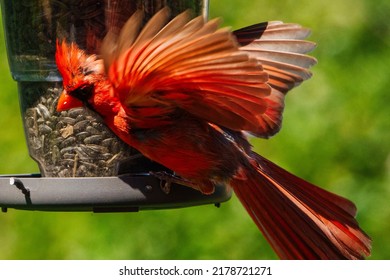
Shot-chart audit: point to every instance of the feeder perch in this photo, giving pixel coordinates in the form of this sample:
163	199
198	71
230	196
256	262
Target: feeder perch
83	165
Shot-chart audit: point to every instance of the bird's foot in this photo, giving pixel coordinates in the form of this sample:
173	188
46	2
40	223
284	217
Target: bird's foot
167	179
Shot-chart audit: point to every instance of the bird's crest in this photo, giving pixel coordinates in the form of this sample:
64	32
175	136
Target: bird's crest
73	62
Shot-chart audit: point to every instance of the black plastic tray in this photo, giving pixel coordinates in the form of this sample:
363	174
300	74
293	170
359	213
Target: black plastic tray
125	193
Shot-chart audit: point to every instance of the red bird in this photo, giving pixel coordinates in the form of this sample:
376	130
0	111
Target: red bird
185	94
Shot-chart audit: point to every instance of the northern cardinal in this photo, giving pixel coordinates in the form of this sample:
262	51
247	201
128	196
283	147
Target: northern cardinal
186	93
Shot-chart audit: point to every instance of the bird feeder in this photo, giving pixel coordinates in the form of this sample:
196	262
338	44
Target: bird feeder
83	165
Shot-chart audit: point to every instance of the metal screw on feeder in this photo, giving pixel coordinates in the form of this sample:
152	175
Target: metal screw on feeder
74	147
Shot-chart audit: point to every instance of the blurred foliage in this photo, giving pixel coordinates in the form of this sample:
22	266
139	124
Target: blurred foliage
336	134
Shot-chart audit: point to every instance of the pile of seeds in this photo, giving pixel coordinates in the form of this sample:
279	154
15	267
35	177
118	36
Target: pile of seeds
72	143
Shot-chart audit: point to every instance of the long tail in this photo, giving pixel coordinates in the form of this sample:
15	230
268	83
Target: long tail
300	220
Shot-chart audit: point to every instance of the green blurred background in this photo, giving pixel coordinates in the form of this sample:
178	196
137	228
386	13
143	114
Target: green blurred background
336	134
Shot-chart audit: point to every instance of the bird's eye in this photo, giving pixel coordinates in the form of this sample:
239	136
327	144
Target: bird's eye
84	71
87	71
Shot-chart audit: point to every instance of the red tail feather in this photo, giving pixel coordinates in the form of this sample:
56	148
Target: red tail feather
300	220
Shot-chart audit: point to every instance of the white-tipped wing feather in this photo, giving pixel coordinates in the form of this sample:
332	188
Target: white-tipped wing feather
281	49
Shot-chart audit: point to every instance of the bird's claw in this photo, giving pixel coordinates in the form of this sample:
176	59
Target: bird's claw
166	180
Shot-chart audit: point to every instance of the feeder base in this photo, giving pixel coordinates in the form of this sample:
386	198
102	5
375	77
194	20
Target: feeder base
125	193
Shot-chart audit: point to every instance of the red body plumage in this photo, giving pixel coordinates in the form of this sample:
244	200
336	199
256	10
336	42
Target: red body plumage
183	91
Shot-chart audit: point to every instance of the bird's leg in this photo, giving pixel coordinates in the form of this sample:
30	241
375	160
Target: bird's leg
166	180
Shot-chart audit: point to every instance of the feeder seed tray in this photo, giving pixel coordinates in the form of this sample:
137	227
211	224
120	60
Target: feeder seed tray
125	193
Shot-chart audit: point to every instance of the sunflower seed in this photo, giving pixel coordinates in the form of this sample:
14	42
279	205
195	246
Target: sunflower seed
44	129
94	139
80	125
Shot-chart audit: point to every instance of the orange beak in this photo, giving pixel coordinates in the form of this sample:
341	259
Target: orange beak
67	101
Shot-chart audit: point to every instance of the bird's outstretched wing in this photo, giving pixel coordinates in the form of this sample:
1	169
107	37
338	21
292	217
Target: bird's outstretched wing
193	65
